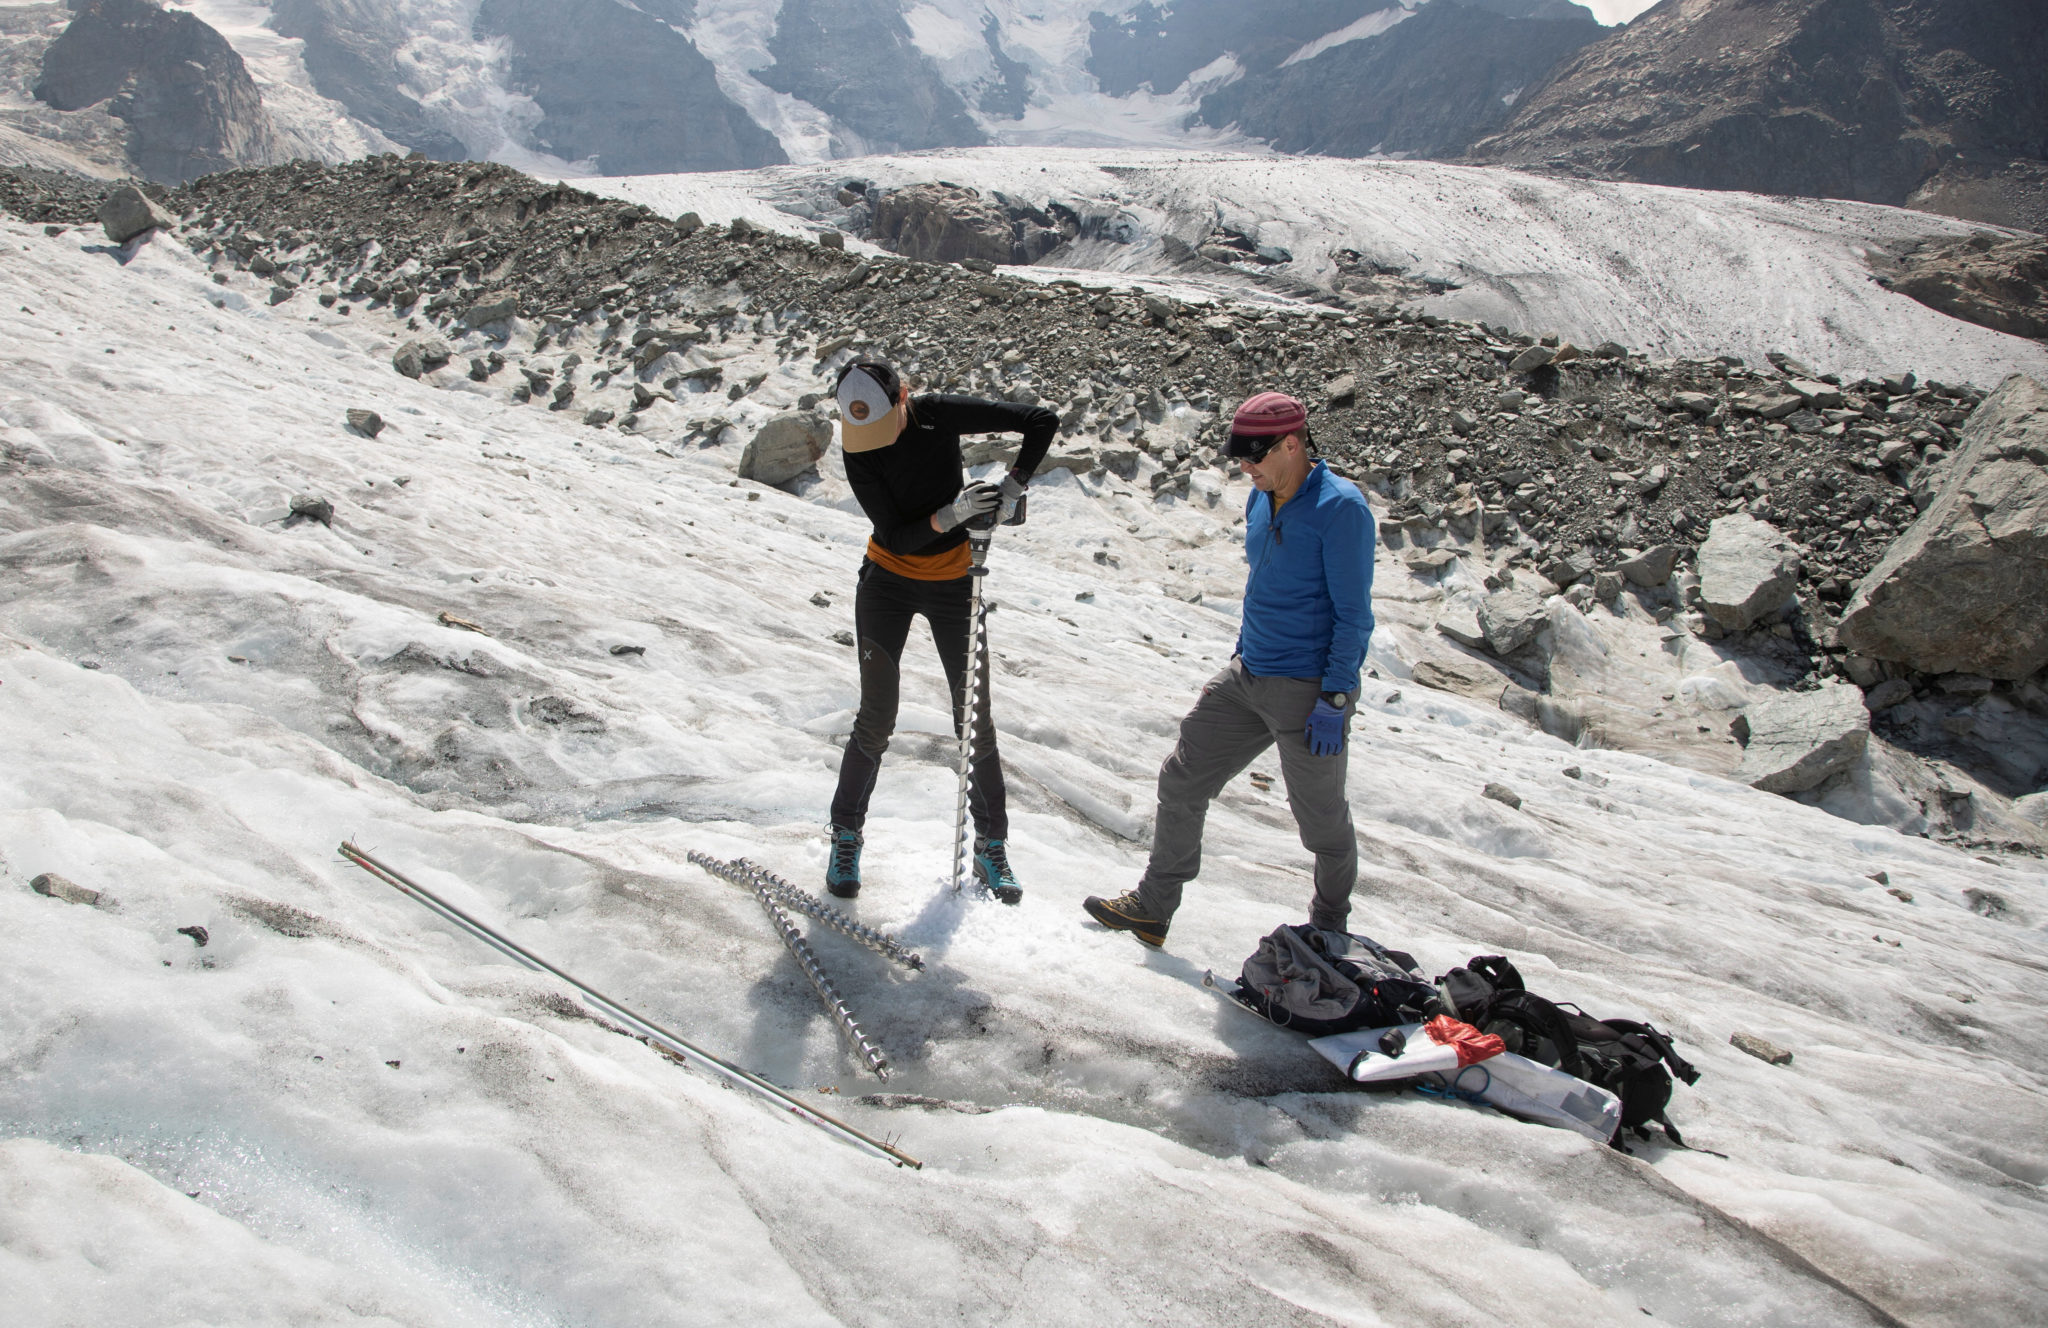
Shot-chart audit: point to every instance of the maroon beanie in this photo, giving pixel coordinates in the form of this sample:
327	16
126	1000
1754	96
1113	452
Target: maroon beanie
1269	415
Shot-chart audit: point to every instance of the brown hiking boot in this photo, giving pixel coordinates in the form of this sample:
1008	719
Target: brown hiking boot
1124	913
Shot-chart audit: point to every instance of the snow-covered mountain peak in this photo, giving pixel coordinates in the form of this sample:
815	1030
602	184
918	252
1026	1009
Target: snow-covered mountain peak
614	87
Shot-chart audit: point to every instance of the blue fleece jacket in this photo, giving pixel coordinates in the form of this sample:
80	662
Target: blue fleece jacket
1308	598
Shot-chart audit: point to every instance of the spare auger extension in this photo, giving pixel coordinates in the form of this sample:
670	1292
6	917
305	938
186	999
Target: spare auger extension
771	891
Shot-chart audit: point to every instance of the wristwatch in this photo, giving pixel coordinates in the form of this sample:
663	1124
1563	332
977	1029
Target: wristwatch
1337	699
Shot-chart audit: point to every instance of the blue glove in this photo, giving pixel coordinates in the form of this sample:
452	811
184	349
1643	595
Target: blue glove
1325	731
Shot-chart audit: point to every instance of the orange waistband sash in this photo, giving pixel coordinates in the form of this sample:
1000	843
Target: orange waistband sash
954	563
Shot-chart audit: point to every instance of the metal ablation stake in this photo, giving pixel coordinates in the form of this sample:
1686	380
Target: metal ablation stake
653	1032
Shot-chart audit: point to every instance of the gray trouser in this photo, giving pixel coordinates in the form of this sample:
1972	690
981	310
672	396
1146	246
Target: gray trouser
1237	718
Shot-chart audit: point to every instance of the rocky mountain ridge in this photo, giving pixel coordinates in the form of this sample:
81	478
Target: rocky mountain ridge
188	101
1538	468
1430	85
619	88
1936	104
1941	104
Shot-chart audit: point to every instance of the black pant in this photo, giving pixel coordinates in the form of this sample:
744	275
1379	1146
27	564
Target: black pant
882	610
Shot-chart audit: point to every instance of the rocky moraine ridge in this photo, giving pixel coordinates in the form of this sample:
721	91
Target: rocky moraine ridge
1594	472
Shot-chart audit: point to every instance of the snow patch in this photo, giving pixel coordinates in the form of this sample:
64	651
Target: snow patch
1371	25
949	39
734	36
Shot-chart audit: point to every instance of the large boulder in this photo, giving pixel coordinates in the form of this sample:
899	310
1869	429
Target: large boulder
786	447
2001	284
943	223
494	307
1798	740
1511	619
128	212
419	357
1746	569
1965	589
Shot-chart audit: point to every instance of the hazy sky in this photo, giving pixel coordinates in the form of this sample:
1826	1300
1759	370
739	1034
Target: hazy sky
1616	11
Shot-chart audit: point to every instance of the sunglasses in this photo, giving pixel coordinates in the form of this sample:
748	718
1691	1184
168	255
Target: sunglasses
1244	447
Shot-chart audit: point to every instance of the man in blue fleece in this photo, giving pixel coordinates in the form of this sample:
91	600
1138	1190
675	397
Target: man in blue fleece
1292	684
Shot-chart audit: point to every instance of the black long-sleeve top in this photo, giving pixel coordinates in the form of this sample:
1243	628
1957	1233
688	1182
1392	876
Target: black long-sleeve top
899	486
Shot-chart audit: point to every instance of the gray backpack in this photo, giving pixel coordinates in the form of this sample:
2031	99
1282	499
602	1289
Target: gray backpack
1295	980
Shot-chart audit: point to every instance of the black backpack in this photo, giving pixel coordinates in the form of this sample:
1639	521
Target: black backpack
1293	980
1629	1059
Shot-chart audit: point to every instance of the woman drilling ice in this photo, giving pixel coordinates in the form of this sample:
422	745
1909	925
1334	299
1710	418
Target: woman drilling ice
903	460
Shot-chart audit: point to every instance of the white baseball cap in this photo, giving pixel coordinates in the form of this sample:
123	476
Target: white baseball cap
868	410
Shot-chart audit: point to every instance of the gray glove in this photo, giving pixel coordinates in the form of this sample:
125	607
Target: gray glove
1013	501
976	500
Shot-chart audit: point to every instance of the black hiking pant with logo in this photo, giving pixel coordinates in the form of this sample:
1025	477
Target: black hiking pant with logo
882	610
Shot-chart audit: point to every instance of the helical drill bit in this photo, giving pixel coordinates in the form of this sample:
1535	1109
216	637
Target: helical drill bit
835	1004
744	873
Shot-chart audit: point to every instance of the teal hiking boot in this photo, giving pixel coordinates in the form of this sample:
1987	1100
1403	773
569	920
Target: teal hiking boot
992	869
842	872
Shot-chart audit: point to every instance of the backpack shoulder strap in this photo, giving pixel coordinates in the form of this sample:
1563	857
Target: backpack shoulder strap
1497	970
1680	1067
1532	1011
1660	1048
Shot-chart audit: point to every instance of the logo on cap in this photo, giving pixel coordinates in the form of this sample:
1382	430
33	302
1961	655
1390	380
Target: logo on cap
864	400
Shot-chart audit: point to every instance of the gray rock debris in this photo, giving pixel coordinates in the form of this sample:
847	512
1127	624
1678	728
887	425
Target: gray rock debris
310	507
1965	589
1541	464
1652	567
1766	1051
366	422
71	892
1460	676
495	307
1460	622
1502	794
1747	569
1796	741
128	212
785	447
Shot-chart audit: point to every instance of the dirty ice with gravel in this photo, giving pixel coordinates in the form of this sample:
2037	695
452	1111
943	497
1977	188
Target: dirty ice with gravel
1669	272
340	1110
